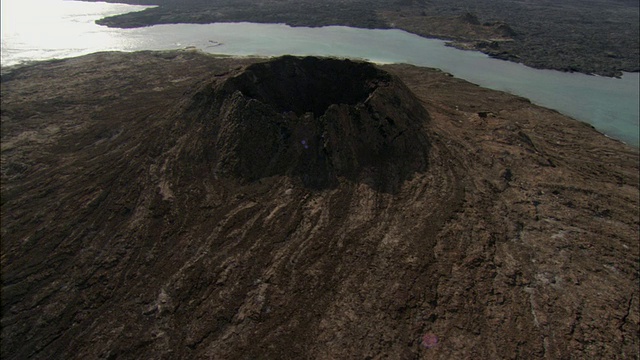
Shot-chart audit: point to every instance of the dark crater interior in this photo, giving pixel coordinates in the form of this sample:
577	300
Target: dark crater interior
315	119
309	84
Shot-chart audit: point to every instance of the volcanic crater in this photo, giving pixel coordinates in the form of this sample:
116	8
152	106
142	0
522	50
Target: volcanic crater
315	119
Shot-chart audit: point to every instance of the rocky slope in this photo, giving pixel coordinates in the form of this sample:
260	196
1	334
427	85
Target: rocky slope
177	205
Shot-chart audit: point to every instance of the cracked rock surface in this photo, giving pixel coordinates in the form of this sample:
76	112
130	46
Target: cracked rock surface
179	205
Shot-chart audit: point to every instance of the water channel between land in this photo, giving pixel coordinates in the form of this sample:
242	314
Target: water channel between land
34	30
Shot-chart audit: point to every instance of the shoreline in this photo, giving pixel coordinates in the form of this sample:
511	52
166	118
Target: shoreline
511	37
534	97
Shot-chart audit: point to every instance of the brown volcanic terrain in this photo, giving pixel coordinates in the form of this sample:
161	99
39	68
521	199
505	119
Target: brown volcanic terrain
179	205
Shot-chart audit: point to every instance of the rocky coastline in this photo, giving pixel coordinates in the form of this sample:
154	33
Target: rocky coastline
596	37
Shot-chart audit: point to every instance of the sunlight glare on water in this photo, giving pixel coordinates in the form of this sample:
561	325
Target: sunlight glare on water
45	29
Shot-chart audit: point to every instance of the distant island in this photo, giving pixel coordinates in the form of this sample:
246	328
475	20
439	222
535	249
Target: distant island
594	37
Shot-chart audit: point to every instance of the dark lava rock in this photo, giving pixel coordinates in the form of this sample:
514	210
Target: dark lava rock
470	18
175	205
313	119
505	30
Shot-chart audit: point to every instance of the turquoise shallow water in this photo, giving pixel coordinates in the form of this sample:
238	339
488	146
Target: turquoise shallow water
610	105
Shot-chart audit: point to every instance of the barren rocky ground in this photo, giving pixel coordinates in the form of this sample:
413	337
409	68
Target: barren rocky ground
594	36
179	205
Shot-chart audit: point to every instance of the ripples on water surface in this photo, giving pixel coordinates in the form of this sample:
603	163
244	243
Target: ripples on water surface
47	29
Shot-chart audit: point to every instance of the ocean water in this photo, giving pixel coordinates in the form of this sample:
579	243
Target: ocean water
35	30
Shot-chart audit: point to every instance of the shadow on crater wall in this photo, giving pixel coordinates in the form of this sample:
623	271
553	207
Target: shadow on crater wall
313	119
308	85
